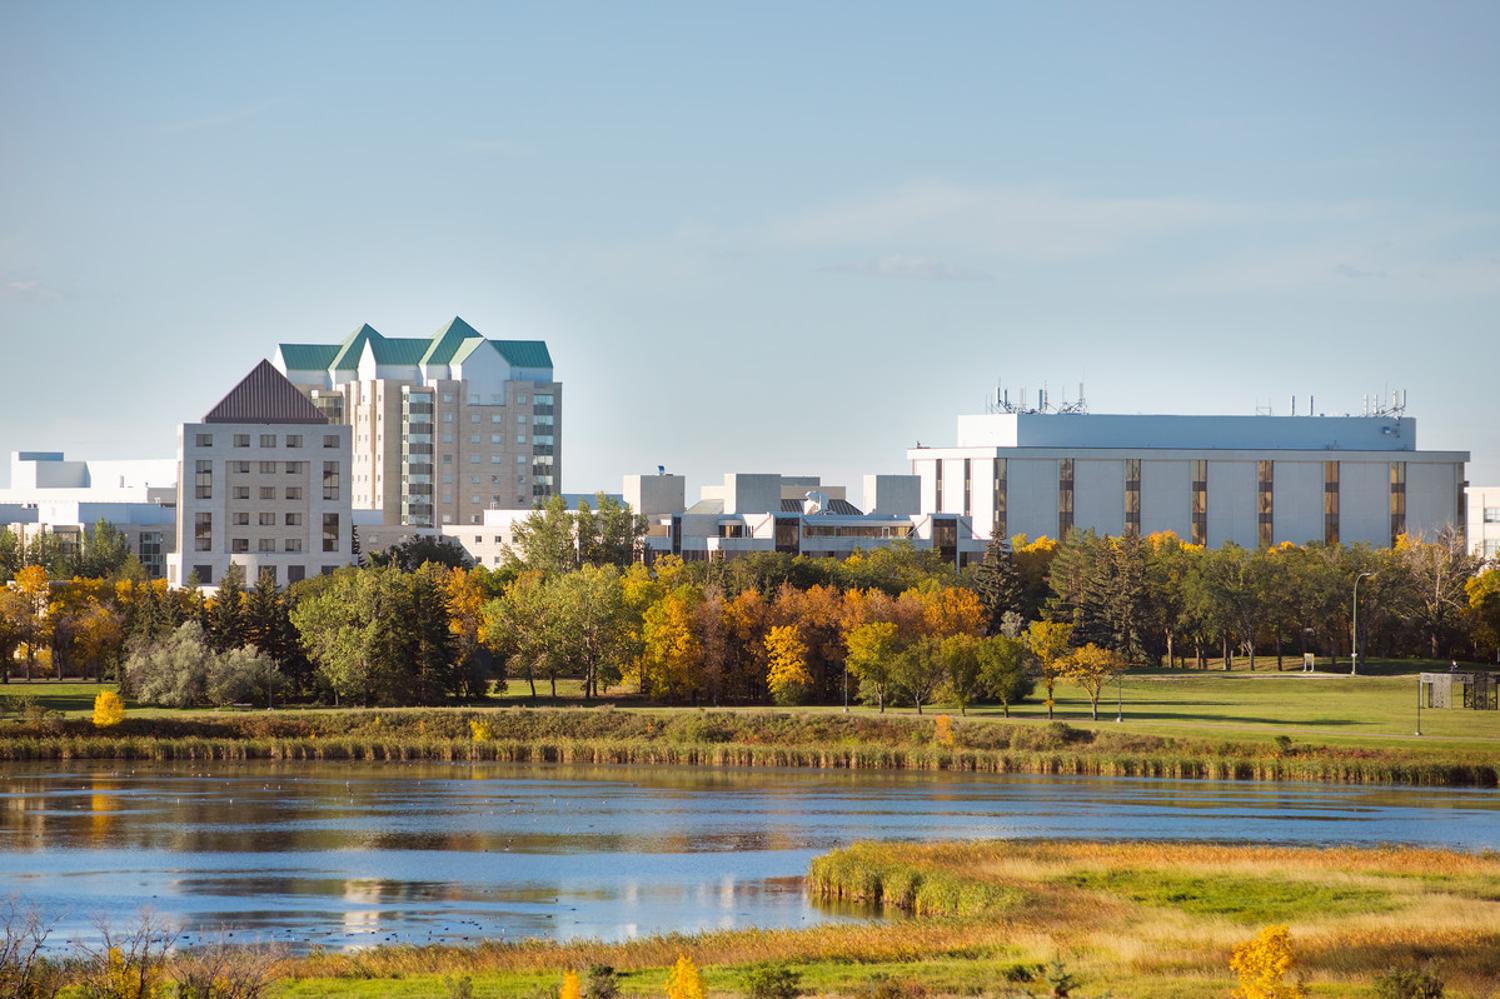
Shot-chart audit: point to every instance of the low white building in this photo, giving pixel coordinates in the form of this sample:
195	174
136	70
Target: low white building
50	494
1484	520
796	515
1251	480
263	483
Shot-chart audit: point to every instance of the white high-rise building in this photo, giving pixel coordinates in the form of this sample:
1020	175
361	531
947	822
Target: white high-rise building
445	427
1484	520
1251	480
262	483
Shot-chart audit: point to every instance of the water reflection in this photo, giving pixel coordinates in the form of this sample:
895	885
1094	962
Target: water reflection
348	854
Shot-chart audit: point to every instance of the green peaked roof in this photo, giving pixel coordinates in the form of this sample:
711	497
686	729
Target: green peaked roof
446	341
308	356
353	346
524	353
389	350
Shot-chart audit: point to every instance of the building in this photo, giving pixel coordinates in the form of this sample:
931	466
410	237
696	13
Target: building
1484	520
797	515
49	494
1251	480
485	543
263	483
444	427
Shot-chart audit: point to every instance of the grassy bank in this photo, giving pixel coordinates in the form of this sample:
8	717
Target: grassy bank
1131	919
736	738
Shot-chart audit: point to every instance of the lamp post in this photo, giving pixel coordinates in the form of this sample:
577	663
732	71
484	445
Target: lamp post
1419	703
1119	698
1354	641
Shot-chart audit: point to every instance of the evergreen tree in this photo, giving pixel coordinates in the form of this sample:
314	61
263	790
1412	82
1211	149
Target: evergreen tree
997	583
226	621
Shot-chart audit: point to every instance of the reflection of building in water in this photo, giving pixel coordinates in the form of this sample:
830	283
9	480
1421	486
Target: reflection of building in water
363	891
726	891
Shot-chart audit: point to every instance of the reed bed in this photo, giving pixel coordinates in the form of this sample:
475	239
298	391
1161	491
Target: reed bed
725	739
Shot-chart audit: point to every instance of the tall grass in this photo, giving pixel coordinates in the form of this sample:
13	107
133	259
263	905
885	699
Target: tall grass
724	739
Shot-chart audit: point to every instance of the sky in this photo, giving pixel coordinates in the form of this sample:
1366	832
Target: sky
757	237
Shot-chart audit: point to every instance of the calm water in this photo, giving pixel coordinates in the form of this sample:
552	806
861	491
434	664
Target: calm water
344	854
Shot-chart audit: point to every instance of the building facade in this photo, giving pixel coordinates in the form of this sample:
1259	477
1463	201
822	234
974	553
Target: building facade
1484	520
1253	480
444	427
50	494
263	482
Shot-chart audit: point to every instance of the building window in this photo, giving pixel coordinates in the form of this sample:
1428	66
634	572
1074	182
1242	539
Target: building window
1200	502
293	440
1064	497
203	440
294	492
266	519
267	492
268	468
296	467
1398	500
241	492
203	480
149	549
203	532
205	574
296	573
1133	496
239	519
997	529
267	440
266	545
1330	502
1265	502
240	467
330	480
1492	515
331	440
239	546
294	520
497	418
330	532
937	485
241	440
968	489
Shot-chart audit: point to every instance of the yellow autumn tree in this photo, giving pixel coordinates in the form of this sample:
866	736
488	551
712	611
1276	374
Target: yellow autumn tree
109	709
570	986
685	981
1091	668
36	592
1263	965
1048	643
787	677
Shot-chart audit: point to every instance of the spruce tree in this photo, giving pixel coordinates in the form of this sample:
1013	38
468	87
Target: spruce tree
226	621
998	584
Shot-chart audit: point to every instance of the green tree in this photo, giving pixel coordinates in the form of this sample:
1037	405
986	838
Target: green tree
873	649
961	668
998	584
413	553
1002	670
227	623
103	551
591	623
919	670
546	540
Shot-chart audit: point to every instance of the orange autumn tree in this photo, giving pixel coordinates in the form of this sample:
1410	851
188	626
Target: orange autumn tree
1263	965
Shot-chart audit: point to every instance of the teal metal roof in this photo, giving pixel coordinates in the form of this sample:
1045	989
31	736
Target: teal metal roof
446	341
524	353
353	346
389	350
308	356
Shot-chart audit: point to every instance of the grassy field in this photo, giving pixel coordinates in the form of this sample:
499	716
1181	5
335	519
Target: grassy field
1128	919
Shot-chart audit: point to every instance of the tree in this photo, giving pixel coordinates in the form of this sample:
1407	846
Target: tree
998	584
109	709
11	555
268	627
592	623
609	533
15	616
546	541
1048	643
227	622
1438	572
1482	591
684	981
672	654
413	553
243	676
919	670
98	636
174	671
787	678
1091	668
36	591
520	630
103	551
873	649
960	659
1002	670
1262	965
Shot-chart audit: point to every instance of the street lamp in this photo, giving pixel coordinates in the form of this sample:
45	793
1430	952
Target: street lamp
1354	642
1119	698
1419	703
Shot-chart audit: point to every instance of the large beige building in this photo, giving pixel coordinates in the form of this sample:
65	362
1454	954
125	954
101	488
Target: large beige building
444	427
262	483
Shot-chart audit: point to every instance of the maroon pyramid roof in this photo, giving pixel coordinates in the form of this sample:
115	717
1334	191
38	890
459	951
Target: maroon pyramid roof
264	396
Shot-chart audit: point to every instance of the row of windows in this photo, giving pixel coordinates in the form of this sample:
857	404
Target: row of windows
265	440
203	479
294	573
203	530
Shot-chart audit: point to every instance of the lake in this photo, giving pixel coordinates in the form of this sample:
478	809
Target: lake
346	854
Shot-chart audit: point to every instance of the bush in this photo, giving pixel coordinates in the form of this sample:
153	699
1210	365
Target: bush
602	983
109	709
24	972
243	676
172	671
1411	984
774	981
885	987
221	971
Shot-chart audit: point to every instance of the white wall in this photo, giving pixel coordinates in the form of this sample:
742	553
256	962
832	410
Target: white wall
1231	504
1167	497
1365	502
1297	501
1431	498
1032	497
1099	496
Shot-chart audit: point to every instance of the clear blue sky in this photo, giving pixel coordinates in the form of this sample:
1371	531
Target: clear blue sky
790	237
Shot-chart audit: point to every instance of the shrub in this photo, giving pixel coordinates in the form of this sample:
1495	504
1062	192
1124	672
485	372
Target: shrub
221	971
885	987
1410	984
685	981
24	972
458	988
774	981
942	730
480	731
570	987
109	709
243	676
172	671
602	983
1263	964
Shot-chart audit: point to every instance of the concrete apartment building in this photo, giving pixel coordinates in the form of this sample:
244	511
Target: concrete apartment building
50	494
1484	520
1251	480
444	427
263	482
797	515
